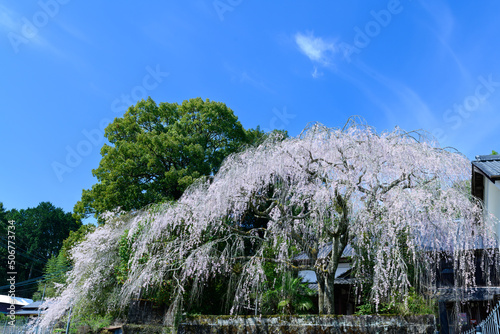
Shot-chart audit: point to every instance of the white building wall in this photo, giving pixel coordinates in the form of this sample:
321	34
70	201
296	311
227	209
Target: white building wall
492	200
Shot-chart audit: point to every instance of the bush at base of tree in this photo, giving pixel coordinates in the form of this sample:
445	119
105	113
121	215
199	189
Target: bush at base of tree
412	304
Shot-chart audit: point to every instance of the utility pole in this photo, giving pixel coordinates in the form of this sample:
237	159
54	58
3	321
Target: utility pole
69	320
39	307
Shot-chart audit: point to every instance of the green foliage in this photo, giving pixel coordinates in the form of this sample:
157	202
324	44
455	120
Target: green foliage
493	152
162	296
43	228
157	151
394	304
55	273
124	250
39	235
2	212
94	322
125	253
57	266
419	305
213	299
76	237
413	304
290	296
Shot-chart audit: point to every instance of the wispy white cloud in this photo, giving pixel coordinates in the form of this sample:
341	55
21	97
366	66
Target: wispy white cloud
443	26
316	74
479	135
17	31
316	48
74	32
252	79
7	21
371	95
400	103
22	32
408	103
442	16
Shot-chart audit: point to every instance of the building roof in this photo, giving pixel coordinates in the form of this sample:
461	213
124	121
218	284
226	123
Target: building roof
466	294
343	271
16	300
325	250
342	276
34	305
32	309
489	165
29	312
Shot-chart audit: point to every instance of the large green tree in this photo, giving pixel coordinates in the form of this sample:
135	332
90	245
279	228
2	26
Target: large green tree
39	235
157	150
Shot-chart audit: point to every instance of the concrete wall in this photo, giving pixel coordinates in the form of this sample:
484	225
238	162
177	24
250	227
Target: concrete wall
296	325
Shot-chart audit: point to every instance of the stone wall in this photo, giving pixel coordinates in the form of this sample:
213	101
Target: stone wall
145	312
297	325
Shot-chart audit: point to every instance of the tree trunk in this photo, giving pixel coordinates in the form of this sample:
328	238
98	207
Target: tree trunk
326	275
326	293
321	292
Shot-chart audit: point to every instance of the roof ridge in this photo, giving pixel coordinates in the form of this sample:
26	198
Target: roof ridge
488	157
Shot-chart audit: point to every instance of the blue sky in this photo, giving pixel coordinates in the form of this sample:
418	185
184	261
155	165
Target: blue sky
70	67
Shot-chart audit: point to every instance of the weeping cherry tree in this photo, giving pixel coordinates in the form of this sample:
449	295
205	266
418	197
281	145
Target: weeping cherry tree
349	186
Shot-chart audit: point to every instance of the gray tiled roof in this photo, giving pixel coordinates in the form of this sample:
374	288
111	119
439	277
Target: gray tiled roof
489	165
29	312
34	305
466	294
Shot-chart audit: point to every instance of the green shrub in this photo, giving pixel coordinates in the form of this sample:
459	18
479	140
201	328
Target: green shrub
414	304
